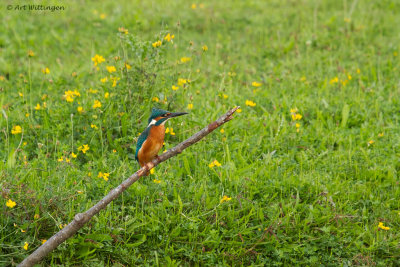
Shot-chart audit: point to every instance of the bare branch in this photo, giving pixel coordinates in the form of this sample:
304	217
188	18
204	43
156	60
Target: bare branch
82	218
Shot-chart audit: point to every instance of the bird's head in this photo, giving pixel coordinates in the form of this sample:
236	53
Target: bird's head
160	116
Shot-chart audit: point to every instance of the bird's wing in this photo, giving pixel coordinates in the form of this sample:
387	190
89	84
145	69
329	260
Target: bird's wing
142	137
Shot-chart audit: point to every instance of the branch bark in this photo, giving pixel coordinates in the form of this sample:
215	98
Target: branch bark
81	218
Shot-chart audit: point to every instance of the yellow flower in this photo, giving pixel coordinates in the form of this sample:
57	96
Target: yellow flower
381	134
92	91
349	77
127	66
215	163
170	131
37	106
175	87
26	245
30	53
111	69
222	130
344	82
93	126
103	175
156	181
358	71
157	44
73	155
114	150
70	95
123	30
83	148
20	94
256	84
155	99
225	199
250	103
182	82
16	129
334	80
80	109
97	104
205	48
296	117
44	241
239	110
98	59
225	96
103	80
67	160
102	16
190	106
106	95
303	79
185	59
10	203
380	225
293	110
27	115
46	70
370	142
298	125
152	171
194	6
169	37
60	159
114	80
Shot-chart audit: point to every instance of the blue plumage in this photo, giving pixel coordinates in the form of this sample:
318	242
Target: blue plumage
141	139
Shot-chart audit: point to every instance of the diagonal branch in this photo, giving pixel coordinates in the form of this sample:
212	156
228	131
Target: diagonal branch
82	218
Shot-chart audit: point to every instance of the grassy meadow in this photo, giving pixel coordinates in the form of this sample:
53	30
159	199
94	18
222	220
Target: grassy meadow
307	174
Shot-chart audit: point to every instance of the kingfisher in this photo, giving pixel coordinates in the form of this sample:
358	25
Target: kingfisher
151	139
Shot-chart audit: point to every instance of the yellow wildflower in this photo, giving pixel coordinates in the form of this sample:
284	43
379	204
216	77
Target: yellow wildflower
215	163
256	84
103	80
127	66
334	80
30	53
114	150
175	87
97	104
80	109
46	70
103	175
94	126
157	44
20	94
381	226
106	95
114	80
190	106
26	244
111	69
152	171
293	110
225	96
83	148
182	82
349	77
155	99
250	103
358	71
170	131
27	115
303	79
381	134
123	30
194	6
10	203
102	16
73	155
225	199
222	130
370	142
60	159
16	129
37	106
70	95
44	241
185	59
98	59
169	37
92	91
156	181
205	48
239	110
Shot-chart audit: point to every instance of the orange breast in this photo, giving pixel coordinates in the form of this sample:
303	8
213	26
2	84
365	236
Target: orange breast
152	145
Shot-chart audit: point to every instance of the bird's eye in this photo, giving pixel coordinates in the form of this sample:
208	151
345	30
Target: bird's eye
165	115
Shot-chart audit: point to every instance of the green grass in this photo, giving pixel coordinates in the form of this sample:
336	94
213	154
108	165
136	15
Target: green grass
313	197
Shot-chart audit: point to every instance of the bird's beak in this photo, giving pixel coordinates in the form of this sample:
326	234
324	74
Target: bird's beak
176	114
